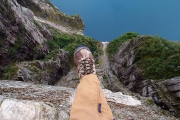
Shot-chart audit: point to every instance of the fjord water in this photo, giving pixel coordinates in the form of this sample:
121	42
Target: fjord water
107	19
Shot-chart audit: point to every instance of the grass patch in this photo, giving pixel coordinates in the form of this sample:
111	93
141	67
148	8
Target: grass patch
36	24
100	62
10	71
150	101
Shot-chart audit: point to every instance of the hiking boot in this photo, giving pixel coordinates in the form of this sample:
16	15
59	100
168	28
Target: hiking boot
84	61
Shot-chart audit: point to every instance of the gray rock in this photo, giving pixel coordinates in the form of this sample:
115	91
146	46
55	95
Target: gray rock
27	110
172	81
21	17
21	40
44	72
174	88
173	85
28	13
46	10
124	67
26	101
177	94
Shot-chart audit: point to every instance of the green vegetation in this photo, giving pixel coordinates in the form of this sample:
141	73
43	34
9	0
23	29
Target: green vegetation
114	45
10	71
53	14
14	49
69	43
36	24
158	58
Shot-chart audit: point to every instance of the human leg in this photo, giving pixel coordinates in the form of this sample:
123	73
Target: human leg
90	102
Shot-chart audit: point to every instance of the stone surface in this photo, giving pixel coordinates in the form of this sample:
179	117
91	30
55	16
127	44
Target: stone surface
24	39
174	88
59	27
28	13
124	67
177	94
44	72
21	39
118	97
26	101
107	78
173	85
70	80
46	10
172	81
26	110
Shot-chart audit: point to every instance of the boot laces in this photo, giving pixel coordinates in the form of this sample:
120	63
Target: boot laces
86	66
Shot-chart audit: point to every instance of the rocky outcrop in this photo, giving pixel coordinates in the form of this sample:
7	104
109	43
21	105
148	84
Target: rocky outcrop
43	72
20	100
173	85
46	10
59	27
12	109
20	38
125	68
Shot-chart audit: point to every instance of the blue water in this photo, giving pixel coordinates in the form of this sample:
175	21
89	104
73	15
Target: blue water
107	19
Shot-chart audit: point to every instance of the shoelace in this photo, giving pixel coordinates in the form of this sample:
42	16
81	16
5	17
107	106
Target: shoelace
86	67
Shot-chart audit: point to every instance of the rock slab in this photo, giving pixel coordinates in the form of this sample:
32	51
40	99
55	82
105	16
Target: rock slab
26	101
173	85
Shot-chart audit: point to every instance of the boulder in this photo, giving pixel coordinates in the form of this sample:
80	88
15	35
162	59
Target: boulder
177	94
173	85
174	88
172	81
26	110
28	13
118	97
26	101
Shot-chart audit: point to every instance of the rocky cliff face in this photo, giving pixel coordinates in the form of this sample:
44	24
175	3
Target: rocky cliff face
42	72
46	10
125	68
20	38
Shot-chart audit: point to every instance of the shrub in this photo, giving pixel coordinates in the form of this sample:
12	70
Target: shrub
158	58
69	43
114	45
10	71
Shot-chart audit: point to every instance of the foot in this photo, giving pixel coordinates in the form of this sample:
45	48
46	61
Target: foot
84	61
